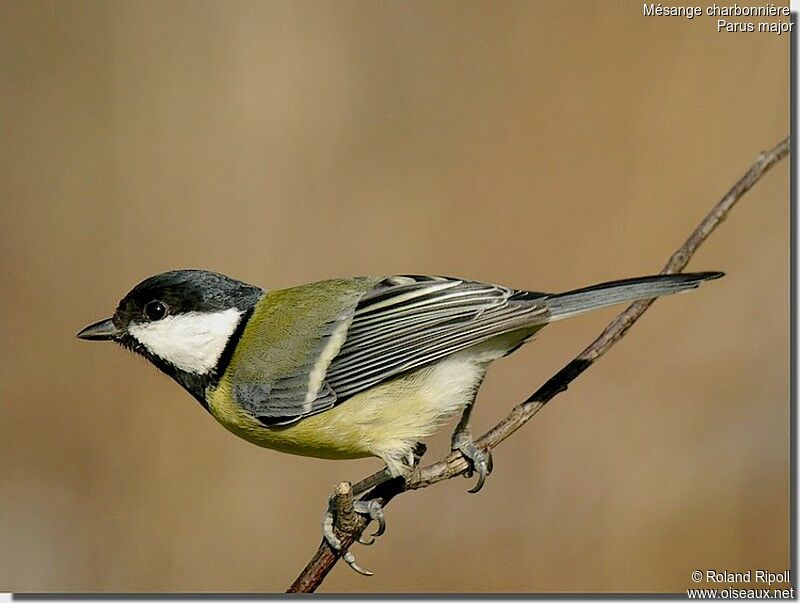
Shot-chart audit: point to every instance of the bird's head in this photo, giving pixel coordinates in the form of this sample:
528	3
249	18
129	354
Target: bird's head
181	321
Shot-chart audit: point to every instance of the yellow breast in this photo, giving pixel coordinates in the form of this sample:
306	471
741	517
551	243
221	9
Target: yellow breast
385	421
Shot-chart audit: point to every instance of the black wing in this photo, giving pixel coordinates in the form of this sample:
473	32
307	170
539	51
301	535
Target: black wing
406	322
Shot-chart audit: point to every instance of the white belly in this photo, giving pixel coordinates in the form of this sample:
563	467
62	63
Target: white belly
397	415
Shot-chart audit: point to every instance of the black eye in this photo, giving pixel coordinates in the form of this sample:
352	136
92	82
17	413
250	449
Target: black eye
155	310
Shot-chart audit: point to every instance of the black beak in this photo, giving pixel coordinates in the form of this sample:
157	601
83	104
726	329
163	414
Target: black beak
99	331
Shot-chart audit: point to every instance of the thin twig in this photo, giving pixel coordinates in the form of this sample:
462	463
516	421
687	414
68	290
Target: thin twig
454	464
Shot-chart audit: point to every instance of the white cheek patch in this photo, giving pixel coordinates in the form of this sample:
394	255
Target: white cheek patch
192	342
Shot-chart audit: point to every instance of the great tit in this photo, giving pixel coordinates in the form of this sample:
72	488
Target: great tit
346	368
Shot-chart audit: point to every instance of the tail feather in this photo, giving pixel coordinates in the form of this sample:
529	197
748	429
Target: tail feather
570	303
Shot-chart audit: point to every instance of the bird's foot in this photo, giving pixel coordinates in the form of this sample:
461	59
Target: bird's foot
343	507
374	510
480	461
341	514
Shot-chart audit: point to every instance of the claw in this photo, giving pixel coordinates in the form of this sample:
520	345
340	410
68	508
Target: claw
371	508
479	461
375	512
351	561
336	544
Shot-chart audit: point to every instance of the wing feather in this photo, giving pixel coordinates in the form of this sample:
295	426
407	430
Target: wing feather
394	325
399	327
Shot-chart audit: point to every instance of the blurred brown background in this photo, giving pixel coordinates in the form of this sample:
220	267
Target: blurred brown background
544	145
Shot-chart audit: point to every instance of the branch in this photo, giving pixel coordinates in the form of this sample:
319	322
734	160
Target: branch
454	464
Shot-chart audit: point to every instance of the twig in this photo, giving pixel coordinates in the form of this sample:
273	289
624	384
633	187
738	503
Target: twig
454	464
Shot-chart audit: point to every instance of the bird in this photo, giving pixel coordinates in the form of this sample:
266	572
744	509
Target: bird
350	367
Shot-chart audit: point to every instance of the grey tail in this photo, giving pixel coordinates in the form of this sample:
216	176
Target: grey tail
564	305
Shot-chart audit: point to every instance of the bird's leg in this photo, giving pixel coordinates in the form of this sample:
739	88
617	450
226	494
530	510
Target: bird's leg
341	507
419	451
480	461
